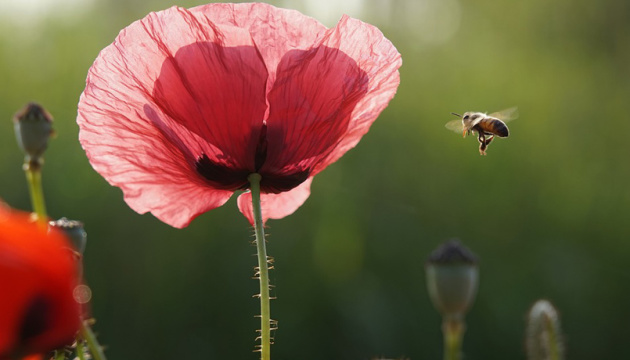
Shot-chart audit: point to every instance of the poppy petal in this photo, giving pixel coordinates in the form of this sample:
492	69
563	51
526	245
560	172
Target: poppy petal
39	312
172	88
310	107
274	30
379	59
324	99
152	172
276	206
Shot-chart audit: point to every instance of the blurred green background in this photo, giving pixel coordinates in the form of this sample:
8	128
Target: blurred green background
547	211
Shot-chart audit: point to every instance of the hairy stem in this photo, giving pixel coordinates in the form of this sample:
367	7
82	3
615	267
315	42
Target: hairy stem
95	348
60	354
263	269
80	350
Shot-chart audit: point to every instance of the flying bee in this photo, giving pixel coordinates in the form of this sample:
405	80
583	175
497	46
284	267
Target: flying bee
486	126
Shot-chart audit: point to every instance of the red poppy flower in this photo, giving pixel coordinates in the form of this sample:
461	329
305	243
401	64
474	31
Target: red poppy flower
37	276
185	104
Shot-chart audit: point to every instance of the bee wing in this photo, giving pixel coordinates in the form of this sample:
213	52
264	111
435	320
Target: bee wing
506	115
455	125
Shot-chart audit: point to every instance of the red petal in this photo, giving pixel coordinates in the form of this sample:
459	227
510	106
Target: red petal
172	87
310	108
217	92
276	206
33	357
152	171
380	60
274	30
37	275
325	99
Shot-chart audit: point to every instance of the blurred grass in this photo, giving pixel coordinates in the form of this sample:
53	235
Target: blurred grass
546	210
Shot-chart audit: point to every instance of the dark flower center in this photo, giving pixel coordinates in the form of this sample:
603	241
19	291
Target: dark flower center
221	176
35	320
226	177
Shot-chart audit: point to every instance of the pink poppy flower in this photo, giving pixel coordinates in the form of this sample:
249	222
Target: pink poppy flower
186	103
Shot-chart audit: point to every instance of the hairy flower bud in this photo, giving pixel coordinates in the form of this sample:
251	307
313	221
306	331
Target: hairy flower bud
452	279
544	336
33	128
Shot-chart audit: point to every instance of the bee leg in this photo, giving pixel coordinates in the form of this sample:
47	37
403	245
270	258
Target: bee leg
489	140
483	144
481	137
482	149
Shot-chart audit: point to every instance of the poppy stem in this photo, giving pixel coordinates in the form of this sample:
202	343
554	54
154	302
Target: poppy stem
34	179
262	271
80	349
60	354
96	350
453	328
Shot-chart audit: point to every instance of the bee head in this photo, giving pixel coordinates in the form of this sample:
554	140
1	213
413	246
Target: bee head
466	116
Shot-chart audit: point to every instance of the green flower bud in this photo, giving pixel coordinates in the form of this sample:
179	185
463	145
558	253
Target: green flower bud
544	336
33	128
74	230
452	279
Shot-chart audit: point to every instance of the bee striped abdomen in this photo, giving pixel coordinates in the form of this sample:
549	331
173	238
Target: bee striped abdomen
494	126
